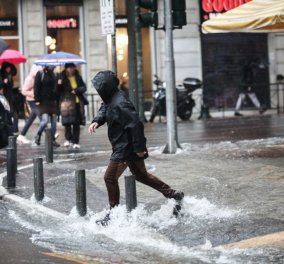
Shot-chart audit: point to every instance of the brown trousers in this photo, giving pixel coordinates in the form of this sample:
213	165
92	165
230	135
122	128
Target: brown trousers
137	168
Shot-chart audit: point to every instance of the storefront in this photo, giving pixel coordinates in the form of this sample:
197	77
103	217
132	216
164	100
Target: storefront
223	58
37	27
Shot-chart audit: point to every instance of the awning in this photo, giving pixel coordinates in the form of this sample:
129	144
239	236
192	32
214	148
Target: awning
257	16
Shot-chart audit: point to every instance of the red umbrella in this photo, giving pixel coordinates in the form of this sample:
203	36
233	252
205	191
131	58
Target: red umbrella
12	56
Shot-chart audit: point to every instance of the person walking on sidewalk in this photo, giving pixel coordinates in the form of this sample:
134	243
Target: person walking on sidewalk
247	87
46	98
28	92
126	135
71	91
8	71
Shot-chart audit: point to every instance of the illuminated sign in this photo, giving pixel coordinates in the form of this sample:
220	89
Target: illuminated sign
62	23
8	24
211	8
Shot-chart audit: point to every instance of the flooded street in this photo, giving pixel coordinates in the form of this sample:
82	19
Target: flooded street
233	191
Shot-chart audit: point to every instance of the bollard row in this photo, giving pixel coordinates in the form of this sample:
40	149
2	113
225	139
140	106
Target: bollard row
80	177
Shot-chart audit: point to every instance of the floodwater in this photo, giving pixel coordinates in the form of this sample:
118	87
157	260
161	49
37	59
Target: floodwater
233	191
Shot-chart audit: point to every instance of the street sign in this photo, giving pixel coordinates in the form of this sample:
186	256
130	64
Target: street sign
107	16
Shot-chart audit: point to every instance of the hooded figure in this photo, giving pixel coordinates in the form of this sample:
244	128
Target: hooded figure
126	134
125	130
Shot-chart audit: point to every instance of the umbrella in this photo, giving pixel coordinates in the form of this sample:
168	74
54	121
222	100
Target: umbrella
257	16
3	45
59	58
12	56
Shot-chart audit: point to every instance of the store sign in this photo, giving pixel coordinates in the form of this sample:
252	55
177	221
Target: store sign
62	2
63	23
211	8
8	24
107	16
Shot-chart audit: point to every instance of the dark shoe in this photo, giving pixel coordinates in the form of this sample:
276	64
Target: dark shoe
36	141
262	110
238	114
104	221
178	196
55	144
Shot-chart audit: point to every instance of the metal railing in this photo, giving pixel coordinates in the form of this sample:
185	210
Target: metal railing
276	101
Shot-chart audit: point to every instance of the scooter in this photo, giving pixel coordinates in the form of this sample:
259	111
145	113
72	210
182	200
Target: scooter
185	102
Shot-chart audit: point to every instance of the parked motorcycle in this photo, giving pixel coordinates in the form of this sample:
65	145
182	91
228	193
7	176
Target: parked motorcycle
185	102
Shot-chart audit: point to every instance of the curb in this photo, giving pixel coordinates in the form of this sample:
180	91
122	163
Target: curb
273	240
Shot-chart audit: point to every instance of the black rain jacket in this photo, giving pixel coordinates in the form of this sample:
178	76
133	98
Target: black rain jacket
125	130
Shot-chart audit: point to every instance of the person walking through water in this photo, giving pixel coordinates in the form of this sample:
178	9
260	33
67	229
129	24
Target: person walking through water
72	104
28	92
46	98
247	86
126	135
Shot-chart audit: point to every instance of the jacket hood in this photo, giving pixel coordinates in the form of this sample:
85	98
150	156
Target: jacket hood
106	83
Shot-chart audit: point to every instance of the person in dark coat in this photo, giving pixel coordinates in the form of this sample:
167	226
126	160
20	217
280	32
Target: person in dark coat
46	98
71	91
126	135
8	71
6	124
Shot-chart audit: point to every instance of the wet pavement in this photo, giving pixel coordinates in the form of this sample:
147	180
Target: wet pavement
231	170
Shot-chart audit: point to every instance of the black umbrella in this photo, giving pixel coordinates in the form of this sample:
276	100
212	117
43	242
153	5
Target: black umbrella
3	45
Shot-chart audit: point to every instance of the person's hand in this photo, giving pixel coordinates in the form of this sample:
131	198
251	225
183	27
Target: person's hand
59	82
37	103
73	92
92	128
6	80
141	154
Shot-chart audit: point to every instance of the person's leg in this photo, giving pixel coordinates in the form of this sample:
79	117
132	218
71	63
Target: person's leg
42	126
76	133
68	132
113	172
254	99
33	114
239	102
138	169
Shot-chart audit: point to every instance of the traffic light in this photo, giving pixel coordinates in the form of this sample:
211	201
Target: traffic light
150	16
178	13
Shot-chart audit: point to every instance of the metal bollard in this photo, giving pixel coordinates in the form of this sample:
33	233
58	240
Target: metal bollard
48	146
38	179
130	192
12	143
11	168
81	201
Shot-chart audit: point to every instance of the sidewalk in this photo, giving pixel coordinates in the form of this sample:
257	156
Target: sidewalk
212	152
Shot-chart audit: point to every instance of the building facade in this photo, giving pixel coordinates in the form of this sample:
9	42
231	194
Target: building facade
35	27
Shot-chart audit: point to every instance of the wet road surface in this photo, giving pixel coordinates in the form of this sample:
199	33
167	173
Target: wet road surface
231	171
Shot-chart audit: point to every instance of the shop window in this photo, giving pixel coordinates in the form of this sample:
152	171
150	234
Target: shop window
9	28
63	26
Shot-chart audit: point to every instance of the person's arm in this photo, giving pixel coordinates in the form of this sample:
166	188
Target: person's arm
99	120
37	86
27	89
81	86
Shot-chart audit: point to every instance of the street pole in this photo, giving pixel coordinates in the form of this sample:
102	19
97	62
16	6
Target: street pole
139	62
113	43
132	59
172	144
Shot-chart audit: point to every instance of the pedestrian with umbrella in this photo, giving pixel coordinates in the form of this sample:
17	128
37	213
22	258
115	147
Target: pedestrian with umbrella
8	71
72	101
